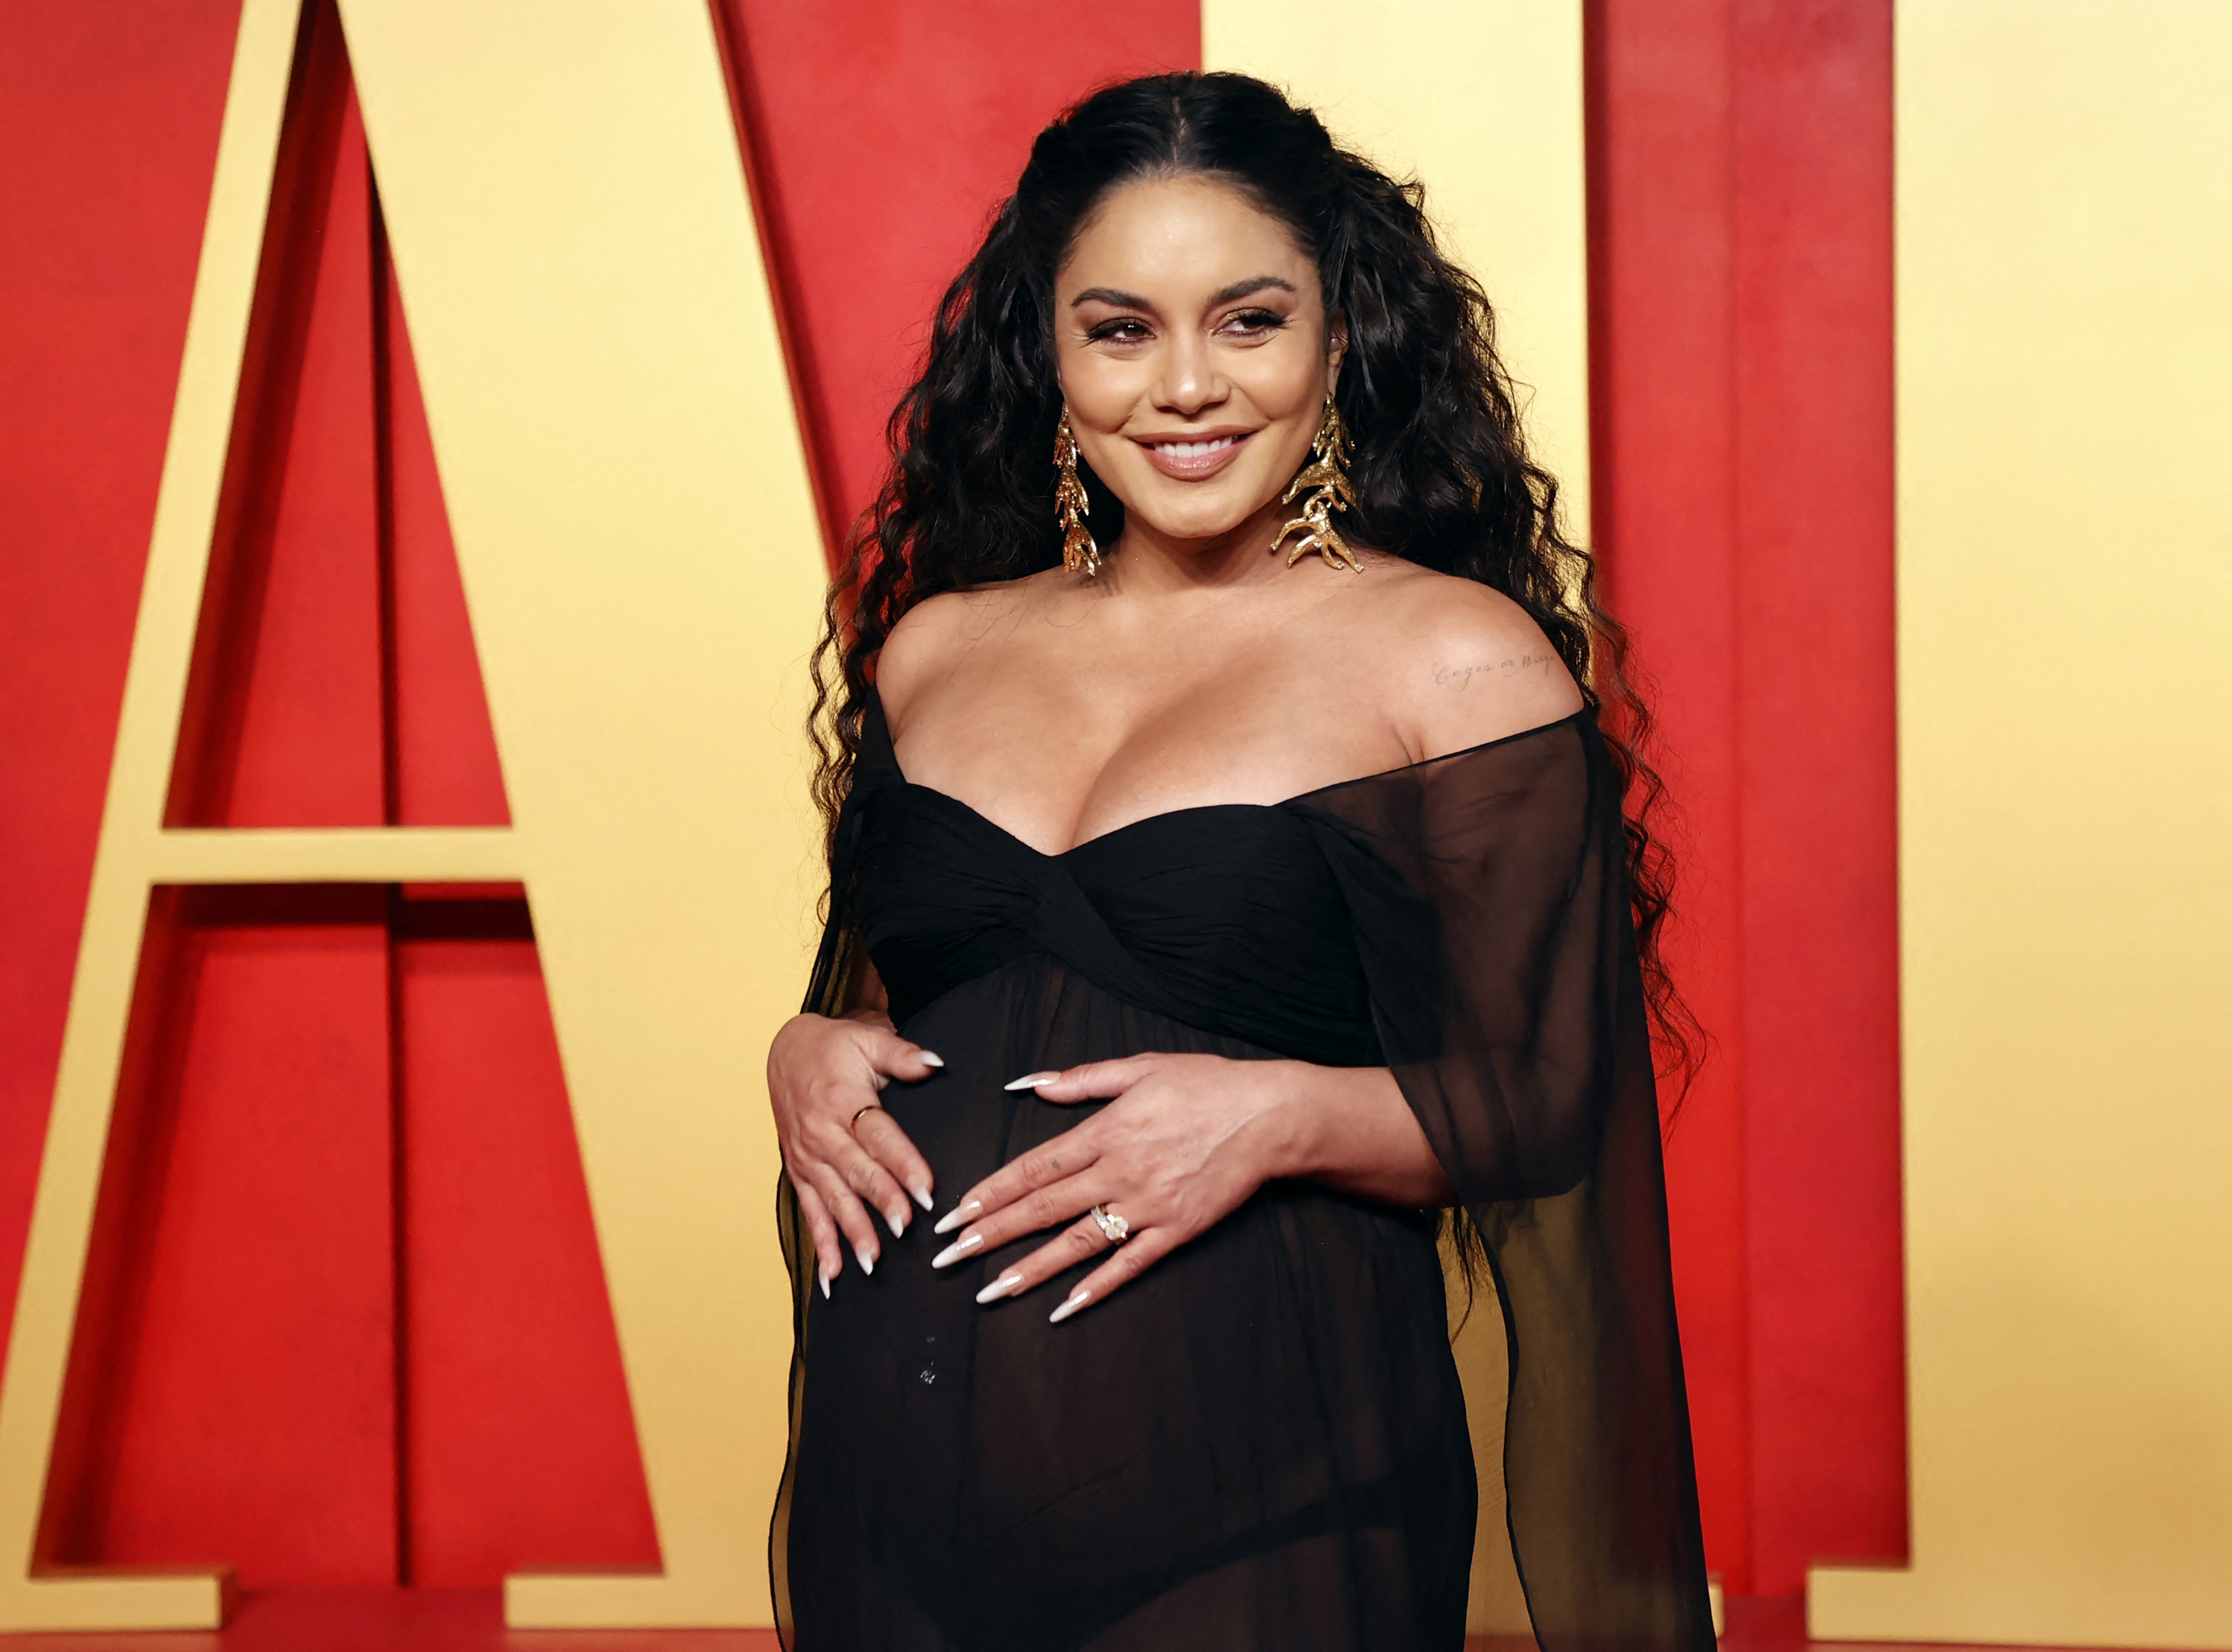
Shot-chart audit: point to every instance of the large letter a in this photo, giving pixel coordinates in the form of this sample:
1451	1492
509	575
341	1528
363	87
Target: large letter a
629	500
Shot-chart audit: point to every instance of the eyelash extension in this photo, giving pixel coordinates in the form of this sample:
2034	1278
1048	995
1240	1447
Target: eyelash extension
1253	320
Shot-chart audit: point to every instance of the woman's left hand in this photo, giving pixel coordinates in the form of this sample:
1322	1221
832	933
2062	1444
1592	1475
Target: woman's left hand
1187	1141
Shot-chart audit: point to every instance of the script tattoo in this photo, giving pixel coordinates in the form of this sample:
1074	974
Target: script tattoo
1463	675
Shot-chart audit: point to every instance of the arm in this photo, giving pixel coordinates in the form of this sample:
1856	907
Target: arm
1356	1133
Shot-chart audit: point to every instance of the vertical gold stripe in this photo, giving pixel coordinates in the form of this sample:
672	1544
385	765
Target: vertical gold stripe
642	561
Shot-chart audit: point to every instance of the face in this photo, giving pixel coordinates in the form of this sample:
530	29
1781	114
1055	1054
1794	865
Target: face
1194	353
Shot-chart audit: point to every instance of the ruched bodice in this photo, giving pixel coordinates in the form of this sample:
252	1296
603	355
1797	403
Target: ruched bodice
1226	918
1260	1443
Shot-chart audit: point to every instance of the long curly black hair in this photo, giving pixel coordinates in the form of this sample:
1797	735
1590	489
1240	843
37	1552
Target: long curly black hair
1440	471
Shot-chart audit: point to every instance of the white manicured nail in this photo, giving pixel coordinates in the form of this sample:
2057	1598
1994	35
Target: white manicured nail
825	1287
867	1262
931	1059
1031	1080
959	1214
922	1198
956	1250
1077	1300
896	1219
1006	1284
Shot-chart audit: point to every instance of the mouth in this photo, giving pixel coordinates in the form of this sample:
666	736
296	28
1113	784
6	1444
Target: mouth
1195	458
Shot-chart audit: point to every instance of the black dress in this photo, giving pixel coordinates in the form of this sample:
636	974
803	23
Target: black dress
1261	1444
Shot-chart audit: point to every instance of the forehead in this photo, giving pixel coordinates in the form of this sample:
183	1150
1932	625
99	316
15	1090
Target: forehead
1178	234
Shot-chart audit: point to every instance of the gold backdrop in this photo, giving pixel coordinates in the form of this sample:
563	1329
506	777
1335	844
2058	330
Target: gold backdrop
2065	603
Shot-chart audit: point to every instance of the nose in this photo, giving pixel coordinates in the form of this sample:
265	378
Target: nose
1190	380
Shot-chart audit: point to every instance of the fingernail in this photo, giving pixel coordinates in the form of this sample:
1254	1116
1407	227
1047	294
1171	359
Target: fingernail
1031	1080
931	1059
1077	1300
896	1219
922	1198
868	1261
956	1250
959	1214
825	1287
1006	1284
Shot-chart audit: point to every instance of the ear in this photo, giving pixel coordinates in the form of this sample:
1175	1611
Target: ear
1336	349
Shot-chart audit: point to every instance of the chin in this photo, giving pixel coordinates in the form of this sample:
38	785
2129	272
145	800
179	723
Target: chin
1197	518
1190	527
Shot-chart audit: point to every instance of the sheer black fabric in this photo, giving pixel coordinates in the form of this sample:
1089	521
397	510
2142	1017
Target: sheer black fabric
1262	1443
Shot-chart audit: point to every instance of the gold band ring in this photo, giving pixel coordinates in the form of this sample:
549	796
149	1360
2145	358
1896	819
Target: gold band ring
1114	1226
872	1107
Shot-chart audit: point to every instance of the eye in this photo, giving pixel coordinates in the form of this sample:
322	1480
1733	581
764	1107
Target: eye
1122	329
1252	323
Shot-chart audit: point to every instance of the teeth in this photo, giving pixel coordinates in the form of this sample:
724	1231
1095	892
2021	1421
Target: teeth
1195	450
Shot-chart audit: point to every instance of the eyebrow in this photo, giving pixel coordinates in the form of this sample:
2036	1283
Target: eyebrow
1253	284
1116	295
1122	300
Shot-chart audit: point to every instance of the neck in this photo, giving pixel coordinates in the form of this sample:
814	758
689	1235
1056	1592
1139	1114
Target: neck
1147	563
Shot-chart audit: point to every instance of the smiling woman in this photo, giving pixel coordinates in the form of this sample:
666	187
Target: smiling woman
1216	386
1207	918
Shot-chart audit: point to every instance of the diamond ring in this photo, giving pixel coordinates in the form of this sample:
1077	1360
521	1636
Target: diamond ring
1115	1227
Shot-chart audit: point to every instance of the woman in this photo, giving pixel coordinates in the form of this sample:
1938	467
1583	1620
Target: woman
1196	1031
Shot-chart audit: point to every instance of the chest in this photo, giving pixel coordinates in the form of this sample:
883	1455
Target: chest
1227	918
1058	758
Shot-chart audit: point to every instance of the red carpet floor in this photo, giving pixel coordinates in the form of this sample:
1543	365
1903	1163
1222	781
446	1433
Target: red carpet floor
471	1620
391	1620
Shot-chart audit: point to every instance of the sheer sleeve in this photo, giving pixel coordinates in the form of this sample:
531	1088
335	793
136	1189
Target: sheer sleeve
834	961
840	933
1489	897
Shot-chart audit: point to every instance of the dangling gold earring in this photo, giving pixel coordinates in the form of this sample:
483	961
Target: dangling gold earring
1079	554
1323	472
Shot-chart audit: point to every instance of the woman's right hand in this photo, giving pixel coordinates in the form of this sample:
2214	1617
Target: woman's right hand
844	1152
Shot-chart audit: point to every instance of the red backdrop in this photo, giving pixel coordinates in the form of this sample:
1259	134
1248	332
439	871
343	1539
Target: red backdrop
354	1328
1741	328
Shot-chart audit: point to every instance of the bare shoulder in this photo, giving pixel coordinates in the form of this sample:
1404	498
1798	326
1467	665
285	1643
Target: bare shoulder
935	637
1461	663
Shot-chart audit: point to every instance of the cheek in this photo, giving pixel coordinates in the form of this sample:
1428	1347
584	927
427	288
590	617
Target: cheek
1287	388
1100	390
1282	383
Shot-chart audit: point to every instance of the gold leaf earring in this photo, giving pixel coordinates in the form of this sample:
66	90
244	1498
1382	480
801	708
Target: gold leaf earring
1079	554
1323	472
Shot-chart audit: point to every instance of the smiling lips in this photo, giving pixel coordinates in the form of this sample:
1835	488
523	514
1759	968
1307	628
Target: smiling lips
1196	459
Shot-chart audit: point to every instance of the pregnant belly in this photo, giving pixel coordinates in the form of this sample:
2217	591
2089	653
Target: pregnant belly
1290	1368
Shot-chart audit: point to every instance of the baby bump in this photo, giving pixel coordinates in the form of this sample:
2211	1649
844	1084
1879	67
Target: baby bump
1289	1367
